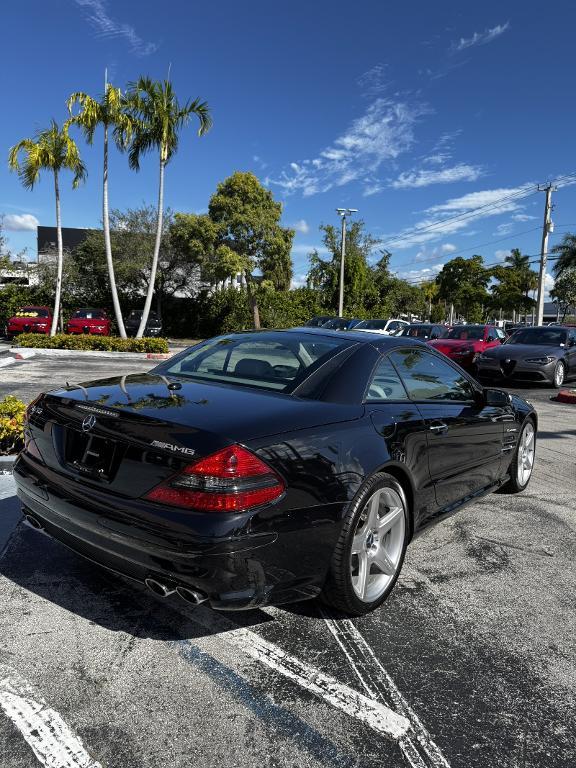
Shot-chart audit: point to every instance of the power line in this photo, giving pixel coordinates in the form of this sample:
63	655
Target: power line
534	256
526	191
454	254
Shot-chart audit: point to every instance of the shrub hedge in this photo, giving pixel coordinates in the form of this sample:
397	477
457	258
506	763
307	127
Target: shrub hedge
12	413
85	342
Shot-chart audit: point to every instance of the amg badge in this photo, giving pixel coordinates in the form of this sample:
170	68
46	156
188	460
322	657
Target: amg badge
172	447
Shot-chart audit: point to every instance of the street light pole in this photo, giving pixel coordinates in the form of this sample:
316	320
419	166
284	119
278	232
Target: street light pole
343	213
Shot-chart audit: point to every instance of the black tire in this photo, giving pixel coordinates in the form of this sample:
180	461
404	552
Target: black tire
338	591
556	383
513	485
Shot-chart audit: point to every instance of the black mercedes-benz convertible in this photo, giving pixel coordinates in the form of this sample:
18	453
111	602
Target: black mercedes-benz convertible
268	467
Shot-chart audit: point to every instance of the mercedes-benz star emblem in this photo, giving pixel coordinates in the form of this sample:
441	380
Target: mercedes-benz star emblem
88	423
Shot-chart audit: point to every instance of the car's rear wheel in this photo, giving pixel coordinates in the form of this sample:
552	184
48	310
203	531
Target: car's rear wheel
559	374
370	551
523	460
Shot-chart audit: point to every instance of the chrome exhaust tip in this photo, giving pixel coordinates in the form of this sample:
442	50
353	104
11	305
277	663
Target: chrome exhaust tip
34	522
159	589
191	596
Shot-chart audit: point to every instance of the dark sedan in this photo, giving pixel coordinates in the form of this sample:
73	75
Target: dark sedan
269	467
153	324
542	353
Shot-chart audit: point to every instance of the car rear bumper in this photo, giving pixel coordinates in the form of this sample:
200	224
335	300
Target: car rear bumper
253	565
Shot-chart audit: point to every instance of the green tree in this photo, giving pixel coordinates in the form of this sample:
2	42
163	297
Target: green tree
566	251
53	150
110	113
324	274
158	119
463	282
564	291
198	237
250	234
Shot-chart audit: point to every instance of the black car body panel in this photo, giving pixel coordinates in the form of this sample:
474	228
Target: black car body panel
86	486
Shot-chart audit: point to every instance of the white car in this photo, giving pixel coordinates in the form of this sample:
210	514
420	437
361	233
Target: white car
388	327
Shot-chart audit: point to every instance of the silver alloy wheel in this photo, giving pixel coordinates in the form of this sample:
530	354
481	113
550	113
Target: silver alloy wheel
526	450
559	374
377	544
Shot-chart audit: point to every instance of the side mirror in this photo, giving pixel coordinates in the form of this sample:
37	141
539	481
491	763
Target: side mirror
497	398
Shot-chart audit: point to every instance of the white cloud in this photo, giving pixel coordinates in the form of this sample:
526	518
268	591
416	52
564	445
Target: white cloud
107	27
382	133
480	38
429	255
456	214
501	254
304	249
419	275
20	222
301	226
374	81
523	217
424	178
504	229
298	281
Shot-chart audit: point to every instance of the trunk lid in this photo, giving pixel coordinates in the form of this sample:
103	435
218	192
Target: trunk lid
129	433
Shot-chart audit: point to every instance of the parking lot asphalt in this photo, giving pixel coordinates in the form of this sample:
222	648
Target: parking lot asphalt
475	648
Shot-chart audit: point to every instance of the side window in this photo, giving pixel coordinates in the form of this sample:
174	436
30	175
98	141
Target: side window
385	383
501	334
427	377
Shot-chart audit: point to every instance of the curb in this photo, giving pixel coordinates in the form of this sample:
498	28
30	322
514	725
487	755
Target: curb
566	396
22	353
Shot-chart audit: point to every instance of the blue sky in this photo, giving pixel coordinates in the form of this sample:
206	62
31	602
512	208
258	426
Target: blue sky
414	113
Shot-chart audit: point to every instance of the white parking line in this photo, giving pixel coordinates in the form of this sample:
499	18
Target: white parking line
51	740
373	713
417	746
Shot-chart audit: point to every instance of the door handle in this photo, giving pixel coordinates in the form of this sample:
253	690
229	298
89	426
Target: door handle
438	427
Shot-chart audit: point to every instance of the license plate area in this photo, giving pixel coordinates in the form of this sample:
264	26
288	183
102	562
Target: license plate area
90	454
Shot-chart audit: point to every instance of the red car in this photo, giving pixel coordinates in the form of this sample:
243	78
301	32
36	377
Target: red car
91	321
463	343
30	320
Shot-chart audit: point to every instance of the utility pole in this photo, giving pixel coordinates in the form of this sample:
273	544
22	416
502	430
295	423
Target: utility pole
546	229
343	213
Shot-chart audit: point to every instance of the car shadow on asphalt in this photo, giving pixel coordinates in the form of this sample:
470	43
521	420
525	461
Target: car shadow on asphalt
48	569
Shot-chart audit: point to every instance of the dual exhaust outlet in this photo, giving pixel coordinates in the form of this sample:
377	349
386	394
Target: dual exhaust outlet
192	596
189	595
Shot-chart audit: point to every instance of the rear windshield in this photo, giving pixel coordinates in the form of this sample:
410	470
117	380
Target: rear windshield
276	362
337	324
466	332
375	325
418	331
552	336
90	314
32	312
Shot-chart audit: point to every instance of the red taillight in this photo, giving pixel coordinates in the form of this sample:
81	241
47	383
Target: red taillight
230	480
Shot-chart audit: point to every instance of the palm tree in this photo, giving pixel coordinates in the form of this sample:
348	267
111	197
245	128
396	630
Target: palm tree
109	112
158	117
527	278
567	254
50	150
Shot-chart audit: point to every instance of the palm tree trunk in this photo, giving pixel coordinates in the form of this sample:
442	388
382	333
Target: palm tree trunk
150	292
56	312
108	244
